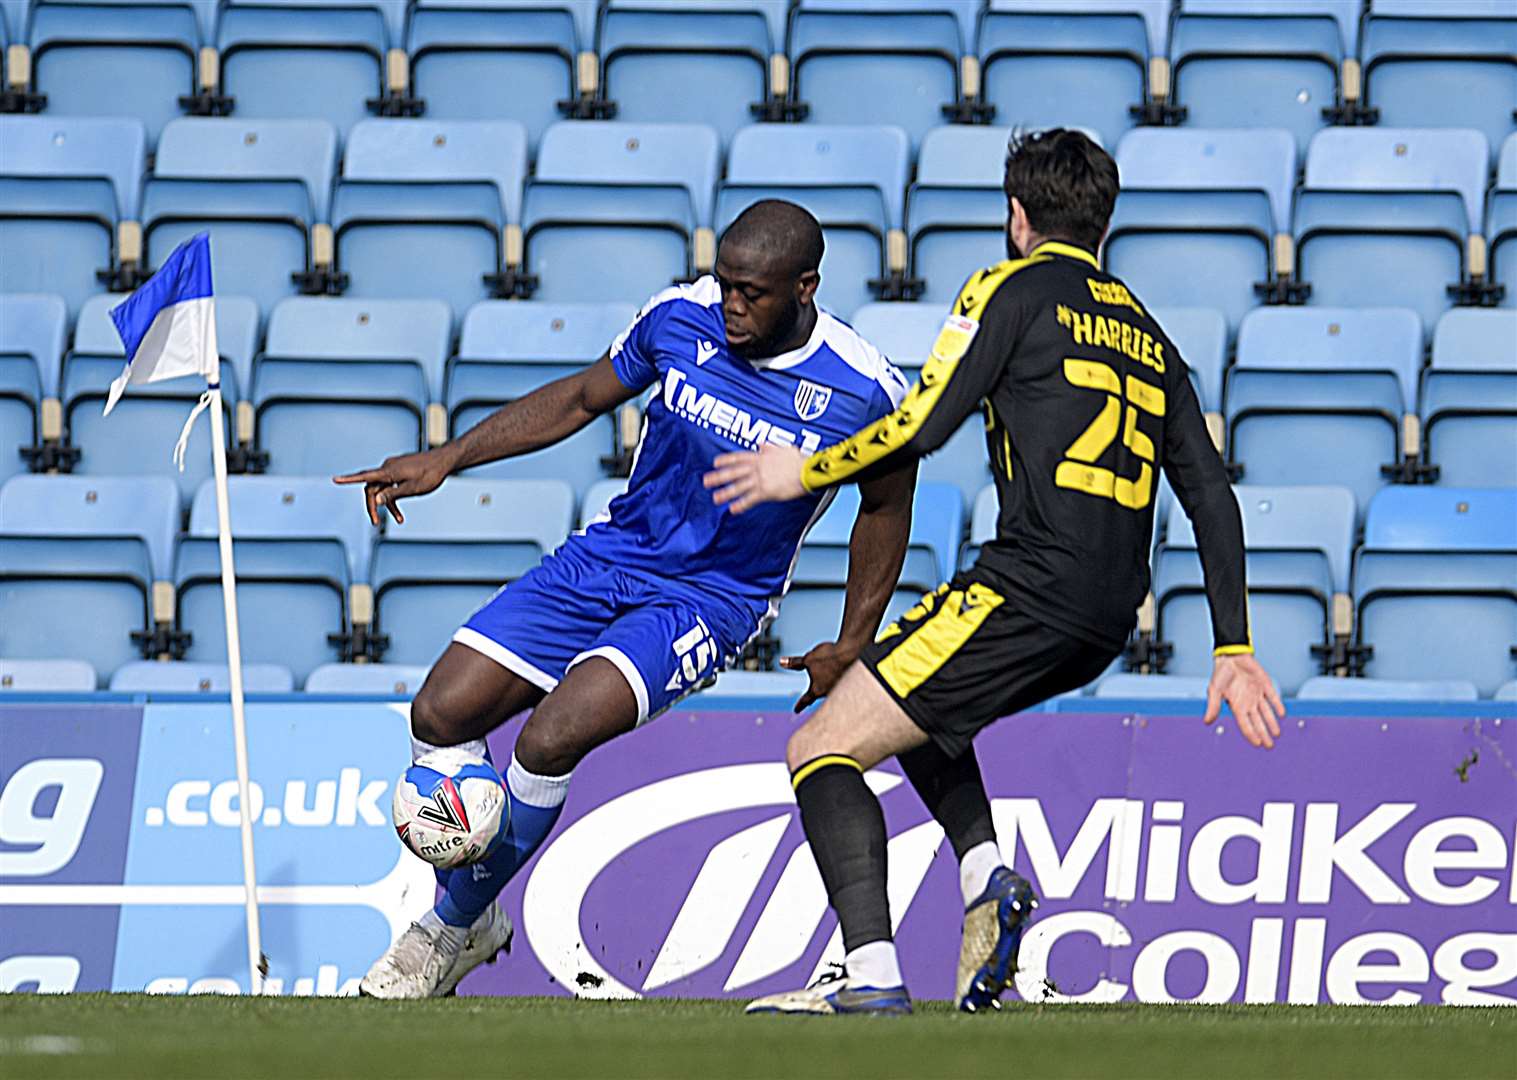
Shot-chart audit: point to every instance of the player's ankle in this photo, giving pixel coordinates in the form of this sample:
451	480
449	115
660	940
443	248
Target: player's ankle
874	965
975	868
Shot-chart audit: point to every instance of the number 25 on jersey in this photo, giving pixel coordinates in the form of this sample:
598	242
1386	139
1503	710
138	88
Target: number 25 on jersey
1079	471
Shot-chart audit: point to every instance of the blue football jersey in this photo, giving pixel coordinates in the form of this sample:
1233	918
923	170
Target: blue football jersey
709	402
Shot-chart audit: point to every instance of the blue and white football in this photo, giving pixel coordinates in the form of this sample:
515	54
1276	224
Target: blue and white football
451	808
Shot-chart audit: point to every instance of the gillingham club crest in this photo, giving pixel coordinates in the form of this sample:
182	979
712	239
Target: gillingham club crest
811	400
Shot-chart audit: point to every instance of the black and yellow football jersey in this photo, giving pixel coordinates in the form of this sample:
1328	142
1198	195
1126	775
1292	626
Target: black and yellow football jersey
1086	400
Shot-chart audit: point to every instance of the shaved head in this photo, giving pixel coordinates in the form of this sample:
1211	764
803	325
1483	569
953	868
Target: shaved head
780	236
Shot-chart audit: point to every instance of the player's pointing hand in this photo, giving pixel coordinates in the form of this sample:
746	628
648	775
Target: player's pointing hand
745	480
398	478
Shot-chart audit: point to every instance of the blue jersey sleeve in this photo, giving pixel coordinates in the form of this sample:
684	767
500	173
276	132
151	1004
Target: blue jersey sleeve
633	357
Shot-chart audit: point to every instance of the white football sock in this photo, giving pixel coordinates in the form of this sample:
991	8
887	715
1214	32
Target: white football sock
975	868
450	938
534	790
473	746
874	965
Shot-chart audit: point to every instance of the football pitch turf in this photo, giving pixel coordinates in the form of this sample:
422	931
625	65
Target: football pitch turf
107	1036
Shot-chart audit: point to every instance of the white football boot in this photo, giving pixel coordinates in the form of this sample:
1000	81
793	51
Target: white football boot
831	995
412	968
489	937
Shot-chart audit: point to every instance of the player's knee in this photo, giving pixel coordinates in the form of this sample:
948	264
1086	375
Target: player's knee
801	748
433	722
548	749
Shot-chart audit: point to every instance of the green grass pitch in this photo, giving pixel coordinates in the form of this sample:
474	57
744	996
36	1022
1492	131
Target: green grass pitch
108	1036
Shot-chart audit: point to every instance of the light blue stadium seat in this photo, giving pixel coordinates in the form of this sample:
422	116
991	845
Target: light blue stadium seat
1307	378
1261	63
1442	63
1506	164
256	185
1201	336
188	677
296	58
397	679
1385	213
735	684
298	544
117	59
613	208
1297	541
655	53
137	439
597	500
458	546
77	147
812	613
1328	688
1501	240
1507	691
47	676
963	461
1435	585
1070	63
851	178
506	60
1469	399
858	62
32	333
344	383
1152	687
1197	159
508	349
903	332
58	236
439	151
956	210
78	556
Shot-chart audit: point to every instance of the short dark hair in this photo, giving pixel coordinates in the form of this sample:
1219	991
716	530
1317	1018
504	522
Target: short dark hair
783	234
1066	183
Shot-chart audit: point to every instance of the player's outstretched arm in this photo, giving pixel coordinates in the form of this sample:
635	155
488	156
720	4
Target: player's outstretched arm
876	550
1242	682
542	418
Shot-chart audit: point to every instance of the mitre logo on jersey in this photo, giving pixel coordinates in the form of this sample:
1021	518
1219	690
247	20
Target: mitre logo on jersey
811	400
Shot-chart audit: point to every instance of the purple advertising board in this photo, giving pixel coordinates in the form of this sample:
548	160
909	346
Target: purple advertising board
1363	860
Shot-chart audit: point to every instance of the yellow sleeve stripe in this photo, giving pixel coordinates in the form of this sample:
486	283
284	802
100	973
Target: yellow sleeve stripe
821	763
889	433
1233	650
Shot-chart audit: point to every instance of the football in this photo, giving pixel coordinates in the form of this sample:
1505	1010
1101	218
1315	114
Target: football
450	808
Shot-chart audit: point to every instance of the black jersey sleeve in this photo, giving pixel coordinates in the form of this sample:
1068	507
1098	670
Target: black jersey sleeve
967	361
1199	480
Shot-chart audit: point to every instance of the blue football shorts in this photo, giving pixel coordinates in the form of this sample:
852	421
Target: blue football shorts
665	636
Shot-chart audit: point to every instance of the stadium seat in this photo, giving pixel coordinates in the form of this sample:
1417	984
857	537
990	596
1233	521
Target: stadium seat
1442	63
1298	541
613	208
860	62
1261	63
78	558
47	676
852	179
956	210
344	383
186	677
1469	399
109	58
258	187
1152	687
1202	160
654	53
137	439
70	147
423	205
1507	691
736	684
1435	585
1328	688
398	679
298	545
458	546
962	461
1308	378
1070	63
296	58
508	349
1385	213
504	60
1201	336
597	500
904	333
32	331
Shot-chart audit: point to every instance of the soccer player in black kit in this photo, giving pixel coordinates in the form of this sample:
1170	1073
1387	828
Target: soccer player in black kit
1086	399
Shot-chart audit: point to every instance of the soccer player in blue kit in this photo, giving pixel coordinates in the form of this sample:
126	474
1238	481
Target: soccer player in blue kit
665	589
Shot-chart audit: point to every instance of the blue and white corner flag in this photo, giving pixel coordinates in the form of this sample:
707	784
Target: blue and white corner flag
169	327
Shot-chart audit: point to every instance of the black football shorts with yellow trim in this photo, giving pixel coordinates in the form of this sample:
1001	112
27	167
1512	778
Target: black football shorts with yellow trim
965	656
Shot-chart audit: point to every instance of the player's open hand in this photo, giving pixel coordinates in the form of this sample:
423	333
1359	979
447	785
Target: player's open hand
399	477
1242	682
745	480
825	664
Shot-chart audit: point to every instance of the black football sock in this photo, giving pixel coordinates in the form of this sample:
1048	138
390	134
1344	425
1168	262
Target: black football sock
846	828
953	792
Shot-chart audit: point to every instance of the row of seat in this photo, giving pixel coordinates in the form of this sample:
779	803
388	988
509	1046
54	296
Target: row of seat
1103	64
615	211
98	568
188	677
